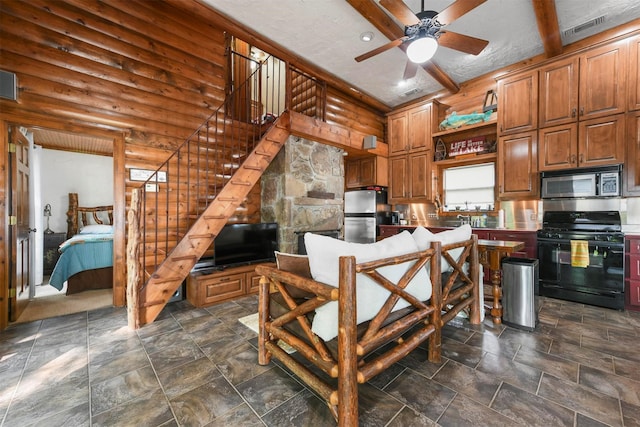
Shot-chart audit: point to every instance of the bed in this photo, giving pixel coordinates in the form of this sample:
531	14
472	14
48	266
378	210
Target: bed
86	257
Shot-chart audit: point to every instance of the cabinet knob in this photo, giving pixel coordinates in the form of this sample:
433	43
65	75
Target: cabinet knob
573	112
581	158
582	111
573	158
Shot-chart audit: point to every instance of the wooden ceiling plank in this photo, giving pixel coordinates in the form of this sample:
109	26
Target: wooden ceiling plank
548	27
457	9
401	12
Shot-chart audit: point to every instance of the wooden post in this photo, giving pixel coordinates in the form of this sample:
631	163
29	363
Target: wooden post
474	271
347	341
263	316
435	339
133	260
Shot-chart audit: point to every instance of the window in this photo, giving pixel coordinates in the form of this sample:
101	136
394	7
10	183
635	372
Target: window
470	187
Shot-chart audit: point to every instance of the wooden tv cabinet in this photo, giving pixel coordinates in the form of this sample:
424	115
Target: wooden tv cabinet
208	288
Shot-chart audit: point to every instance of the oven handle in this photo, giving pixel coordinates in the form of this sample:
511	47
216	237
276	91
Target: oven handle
601	243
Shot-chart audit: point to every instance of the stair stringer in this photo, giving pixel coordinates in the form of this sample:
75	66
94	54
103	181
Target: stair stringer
170	274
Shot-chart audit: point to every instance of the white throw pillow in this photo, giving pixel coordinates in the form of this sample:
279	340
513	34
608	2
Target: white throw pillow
324	253
97	229
424	237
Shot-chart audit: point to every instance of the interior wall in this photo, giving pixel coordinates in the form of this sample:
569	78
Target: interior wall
64	172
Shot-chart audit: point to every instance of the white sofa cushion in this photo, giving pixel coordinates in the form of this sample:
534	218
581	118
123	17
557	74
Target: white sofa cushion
324	253
424	237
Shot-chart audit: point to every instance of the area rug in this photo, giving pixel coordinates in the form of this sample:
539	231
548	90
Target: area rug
251	322
59	305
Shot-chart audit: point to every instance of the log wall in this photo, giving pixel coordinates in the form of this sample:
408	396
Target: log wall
145	74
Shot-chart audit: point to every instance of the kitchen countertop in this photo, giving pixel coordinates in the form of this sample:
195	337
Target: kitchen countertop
472	228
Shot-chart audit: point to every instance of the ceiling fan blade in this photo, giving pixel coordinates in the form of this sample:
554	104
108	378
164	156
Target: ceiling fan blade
466	44
410	70
383	48
456	10
401	11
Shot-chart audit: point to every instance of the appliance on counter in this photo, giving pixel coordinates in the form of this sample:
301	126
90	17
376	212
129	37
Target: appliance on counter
594	182
361	208
581	257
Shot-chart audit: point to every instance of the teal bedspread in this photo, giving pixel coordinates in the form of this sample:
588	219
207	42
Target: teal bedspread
82	252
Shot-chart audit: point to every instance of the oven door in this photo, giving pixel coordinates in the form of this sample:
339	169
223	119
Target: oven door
600	283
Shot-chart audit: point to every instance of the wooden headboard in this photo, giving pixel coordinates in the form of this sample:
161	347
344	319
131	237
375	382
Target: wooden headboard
78	216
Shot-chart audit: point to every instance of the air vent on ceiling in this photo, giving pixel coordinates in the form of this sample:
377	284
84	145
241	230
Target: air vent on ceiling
584	26
412	91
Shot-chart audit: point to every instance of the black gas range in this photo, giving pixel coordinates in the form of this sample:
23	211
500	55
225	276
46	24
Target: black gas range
581	257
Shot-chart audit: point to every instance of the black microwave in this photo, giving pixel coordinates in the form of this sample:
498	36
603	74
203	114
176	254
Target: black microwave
597	182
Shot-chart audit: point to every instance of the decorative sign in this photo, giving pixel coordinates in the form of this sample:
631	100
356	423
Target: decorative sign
467	146
145	174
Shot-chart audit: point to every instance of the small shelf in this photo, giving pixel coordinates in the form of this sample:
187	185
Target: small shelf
487	124
466	158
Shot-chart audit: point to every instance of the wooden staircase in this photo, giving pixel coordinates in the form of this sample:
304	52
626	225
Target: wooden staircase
146	300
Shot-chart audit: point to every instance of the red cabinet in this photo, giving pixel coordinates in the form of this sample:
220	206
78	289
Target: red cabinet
632	273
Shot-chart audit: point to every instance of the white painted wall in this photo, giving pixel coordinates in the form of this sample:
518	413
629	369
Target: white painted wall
64	172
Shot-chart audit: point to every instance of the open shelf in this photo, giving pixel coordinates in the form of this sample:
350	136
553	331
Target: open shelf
480	125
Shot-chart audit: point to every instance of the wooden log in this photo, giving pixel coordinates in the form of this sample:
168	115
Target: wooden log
133	265
347	342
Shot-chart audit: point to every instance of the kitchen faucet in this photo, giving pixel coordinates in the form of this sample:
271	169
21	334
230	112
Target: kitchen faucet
464	219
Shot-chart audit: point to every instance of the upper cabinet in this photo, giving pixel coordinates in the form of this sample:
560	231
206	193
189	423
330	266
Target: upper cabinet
366	171
559	92
410	130
518	103
632	163
603	86
517	166
634	73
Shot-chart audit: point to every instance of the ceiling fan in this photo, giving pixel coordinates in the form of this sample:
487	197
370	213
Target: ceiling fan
425	31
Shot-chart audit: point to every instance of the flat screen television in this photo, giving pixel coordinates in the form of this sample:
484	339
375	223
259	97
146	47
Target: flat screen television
242	244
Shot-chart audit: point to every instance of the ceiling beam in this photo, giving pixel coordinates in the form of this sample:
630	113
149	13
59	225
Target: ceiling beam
388	27
548	27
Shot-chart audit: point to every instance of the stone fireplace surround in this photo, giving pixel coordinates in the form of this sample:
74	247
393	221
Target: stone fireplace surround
301	167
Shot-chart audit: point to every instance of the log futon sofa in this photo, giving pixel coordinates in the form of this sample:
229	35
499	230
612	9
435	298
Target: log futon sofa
352	310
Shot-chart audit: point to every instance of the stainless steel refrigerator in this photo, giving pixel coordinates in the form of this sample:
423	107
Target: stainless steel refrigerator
360	209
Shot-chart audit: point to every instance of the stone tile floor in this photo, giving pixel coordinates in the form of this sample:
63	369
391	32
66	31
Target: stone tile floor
197	367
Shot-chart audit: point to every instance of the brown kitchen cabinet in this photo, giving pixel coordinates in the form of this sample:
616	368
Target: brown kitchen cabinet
593	142
410	178
366	171
529	238
518	101
632	160
410	130
603	88
634	73
518	176
207	289
558	95
632	272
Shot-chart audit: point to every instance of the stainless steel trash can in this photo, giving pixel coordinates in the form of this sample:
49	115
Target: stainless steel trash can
520	292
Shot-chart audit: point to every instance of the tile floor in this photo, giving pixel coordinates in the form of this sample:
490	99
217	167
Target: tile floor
196	367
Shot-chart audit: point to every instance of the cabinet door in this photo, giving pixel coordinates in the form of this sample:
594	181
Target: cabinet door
529	238
518	101
558	147
517	166
398	169
352	173
601	141
634	73
420	176
368	171
398	133
603	80
559	93
632	161
420	128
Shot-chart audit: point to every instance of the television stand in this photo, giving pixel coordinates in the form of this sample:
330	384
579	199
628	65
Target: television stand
210	287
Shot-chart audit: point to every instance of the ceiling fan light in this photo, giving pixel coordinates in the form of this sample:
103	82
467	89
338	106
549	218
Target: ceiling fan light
422	49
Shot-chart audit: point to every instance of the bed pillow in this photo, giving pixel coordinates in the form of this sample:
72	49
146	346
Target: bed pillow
97	229
296	264
324	253
424	237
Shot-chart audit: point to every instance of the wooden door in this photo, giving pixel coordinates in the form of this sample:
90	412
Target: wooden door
398	133
20	232
398	169
352	173
367	171
419	126
420	176
558	94
558	147
634	73
603	81
517	166
601	141
518	103
632	160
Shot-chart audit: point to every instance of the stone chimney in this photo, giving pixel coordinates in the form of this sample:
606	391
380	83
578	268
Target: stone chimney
303	190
